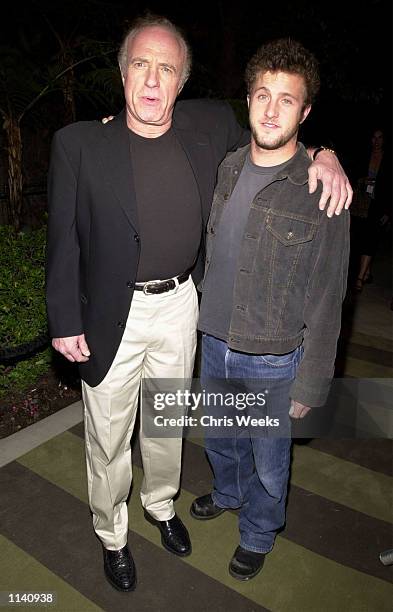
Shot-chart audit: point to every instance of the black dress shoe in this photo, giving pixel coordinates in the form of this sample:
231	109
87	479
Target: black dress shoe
203	508
119	569
246	564
174	535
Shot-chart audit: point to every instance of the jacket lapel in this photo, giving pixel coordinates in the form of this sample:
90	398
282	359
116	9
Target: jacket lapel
197	147
117	167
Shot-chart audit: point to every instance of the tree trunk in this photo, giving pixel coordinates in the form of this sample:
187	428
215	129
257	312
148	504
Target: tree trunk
68	84
15	179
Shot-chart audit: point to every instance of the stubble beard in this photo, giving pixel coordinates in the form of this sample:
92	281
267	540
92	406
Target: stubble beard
274	145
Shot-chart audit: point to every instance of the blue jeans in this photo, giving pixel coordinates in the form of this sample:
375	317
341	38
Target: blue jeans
251	467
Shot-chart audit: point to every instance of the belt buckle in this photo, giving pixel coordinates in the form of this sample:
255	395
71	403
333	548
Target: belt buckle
155	283
149	284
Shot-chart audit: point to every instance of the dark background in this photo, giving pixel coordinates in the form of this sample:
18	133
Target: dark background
352	41
39	39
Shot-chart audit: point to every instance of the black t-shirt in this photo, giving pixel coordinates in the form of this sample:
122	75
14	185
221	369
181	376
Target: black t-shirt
169	208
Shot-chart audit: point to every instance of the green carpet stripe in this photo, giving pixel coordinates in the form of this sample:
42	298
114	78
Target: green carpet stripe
341	481
376	455
293	578
377	342
65	544
21	572
359	368
314	522
353	538
344	482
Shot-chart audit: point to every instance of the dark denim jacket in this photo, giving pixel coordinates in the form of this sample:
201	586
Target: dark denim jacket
292	271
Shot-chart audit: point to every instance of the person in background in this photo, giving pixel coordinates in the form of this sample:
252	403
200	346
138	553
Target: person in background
371	210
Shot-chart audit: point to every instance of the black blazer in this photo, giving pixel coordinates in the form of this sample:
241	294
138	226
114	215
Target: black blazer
93	240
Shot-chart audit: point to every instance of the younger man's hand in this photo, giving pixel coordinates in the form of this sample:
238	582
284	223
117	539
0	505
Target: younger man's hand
298	410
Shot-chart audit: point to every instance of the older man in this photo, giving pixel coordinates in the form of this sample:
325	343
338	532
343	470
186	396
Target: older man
128	202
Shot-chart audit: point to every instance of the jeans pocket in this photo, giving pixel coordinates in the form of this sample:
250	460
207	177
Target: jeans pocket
278	361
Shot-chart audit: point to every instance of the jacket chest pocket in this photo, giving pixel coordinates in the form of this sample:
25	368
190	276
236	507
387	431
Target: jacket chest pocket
289	231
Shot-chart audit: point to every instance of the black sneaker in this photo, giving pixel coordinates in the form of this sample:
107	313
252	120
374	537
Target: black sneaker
203	508
246	564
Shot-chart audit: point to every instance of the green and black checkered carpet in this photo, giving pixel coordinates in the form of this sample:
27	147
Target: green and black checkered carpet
338	520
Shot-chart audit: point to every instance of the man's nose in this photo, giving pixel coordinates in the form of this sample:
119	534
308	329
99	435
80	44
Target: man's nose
152	79
271	109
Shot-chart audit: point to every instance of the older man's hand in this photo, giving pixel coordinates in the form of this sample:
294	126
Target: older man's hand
74	348
335	183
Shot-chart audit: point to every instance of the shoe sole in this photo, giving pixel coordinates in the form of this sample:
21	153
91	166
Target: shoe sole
241	577
115	586
206	518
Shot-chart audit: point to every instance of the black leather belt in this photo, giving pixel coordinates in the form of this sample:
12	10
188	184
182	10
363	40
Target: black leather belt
154	287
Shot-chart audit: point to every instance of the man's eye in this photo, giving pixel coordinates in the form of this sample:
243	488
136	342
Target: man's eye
166	69
139	64
262	97
287	101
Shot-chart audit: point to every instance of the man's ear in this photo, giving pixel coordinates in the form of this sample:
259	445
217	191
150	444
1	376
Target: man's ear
305	112
182	85
121	74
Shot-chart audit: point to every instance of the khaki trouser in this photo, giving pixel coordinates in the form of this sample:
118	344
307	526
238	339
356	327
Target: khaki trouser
159	341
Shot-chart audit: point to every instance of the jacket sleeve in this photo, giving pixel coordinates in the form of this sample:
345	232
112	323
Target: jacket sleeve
62	259
322	311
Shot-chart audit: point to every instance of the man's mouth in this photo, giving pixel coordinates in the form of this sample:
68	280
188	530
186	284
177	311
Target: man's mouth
150	99
269	125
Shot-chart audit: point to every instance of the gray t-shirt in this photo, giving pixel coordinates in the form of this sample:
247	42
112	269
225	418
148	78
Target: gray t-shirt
217	300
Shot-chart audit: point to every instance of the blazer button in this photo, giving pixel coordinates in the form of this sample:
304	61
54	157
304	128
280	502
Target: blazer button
136	237
121	324
130	284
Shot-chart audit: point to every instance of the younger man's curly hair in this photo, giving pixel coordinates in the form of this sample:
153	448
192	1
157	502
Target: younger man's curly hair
285	55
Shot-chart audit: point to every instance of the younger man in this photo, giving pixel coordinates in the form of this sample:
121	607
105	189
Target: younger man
274	282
